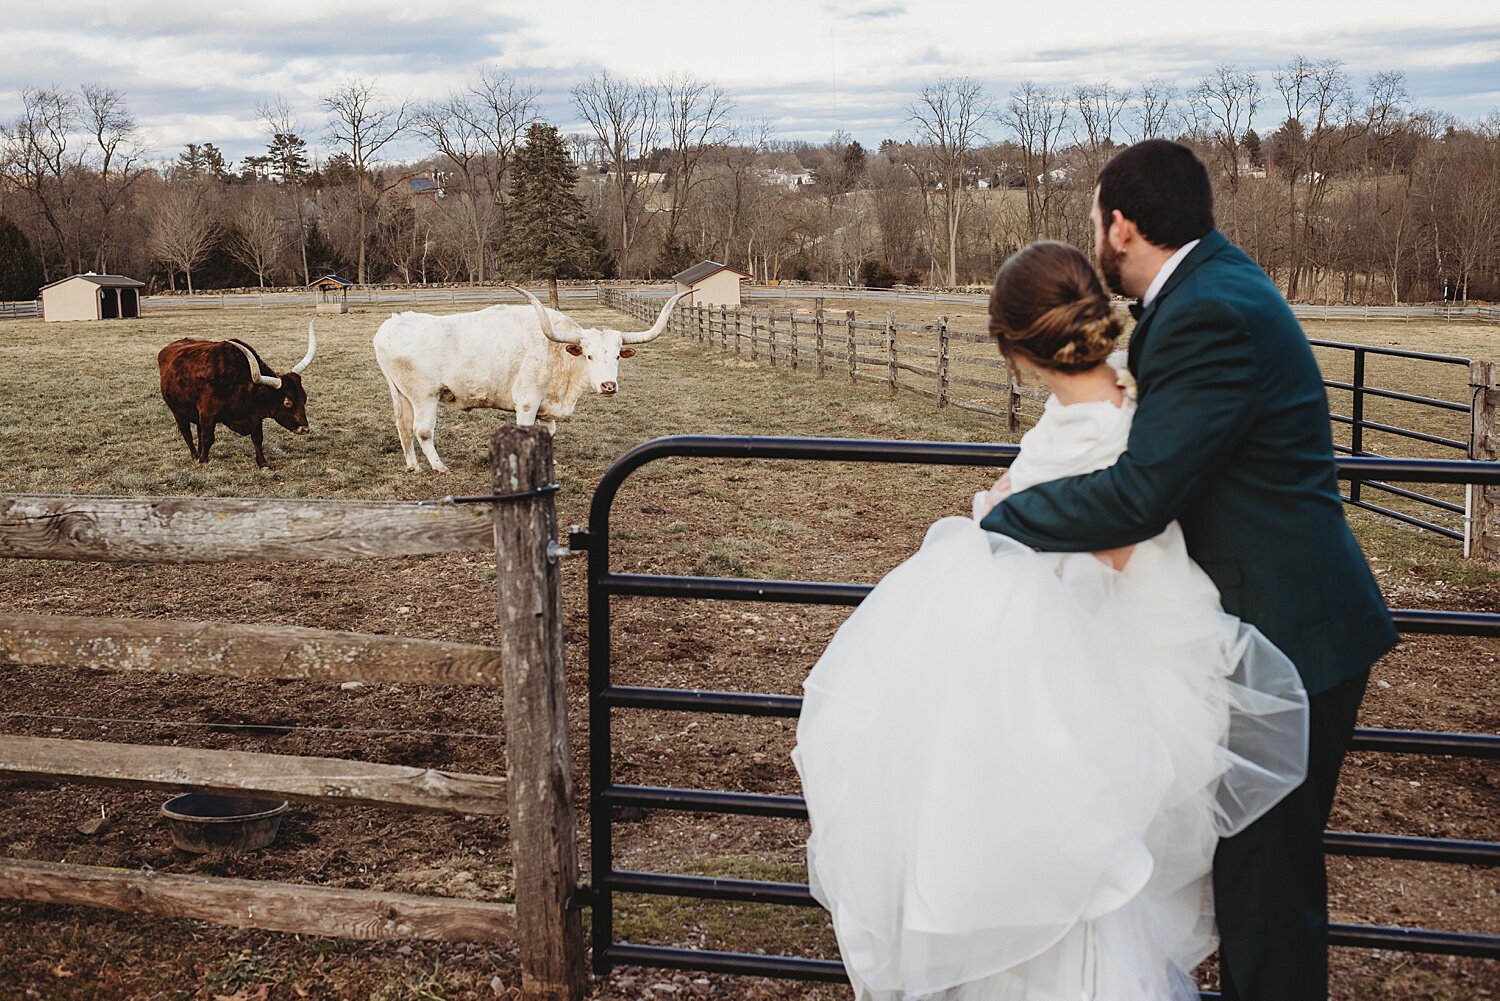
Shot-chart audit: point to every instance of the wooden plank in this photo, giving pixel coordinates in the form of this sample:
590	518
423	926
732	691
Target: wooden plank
964	380
246	651
543	830
906	366
865	377
986	361
907	387
243	903
313	780
978	408
213	530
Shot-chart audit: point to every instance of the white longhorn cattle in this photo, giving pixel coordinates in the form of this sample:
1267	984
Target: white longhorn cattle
530	360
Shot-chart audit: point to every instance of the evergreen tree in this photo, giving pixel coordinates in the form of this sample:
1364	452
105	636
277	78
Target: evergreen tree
546	233
20	271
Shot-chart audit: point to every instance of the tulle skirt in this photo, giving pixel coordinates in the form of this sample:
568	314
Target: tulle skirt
1017	767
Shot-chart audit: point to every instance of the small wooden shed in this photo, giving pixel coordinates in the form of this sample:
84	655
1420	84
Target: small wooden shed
712	284
92	297
333	293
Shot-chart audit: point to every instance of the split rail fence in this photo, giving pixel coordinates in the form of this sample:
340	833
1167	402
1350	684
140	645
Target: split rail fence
940	363
535	794
838	344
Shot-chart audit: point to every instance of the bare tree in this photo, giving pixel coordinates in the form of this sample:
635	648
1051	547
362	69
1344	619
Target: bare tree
453	128
1153	110
499	111
1099	107
697	119
1038	115
625	116
947	118
362	125
288	164
38	157
898	211
183	228
1223	105
1319	122
257	237
119	155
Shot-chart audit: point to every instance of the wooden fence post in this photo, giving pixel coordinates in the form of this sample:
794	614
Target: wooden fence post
818	335
890	348
737	312
753	336
538	763
723	326
1012	400
1482	507
771	334
702	312
853	348
792	318
942	365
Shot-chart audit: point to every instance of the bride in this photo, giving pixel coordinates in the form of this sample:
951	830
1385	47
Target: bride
1017	764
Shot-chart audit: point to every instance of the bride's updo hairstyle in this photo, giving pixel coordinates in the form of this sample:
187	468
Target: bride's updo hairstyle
1049	308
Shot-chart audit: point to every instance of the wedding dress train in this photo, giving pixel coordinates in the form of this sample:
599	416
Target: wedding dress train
1018	764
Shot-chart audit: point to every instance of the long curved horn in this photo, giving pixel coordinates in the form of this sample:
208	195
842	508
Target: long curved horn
541	314
255	376
312	347
642	336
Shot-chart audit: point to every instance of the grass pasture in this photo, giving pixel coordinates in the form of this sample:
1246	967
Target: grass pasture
83	416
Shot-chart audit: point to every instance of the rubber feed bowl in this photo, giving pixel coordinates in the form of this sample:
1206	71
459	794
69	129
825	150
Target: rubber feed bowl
202	823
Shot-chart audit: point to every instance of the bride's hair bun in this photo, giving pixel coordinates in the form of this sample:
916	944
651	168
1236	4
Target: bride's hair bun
1049	307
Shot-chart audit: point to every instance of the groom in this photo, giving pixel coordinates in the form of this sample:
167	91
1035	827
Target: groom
1231	440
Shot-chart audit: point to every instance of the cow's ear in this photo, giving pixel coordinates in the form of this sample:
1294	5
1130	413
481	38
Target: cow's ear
575	350
627	352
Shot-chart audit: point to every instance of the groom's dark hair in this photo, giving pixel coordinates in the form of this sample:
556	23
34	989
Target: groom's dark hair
1163	188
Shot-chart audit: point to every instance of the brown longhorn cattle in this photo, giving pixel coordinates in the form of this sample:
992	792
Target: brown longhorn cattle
224	382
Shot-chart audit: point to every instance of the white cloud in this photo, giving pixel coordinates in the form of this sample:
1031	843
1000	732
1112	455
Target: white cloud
195	71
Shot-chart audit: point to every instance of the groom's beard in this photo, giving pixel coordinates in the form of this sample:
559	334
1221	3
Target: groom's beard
1108	259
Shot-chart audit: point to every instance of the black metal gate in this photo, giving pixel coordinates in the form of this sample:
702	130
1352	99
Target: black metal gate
605	698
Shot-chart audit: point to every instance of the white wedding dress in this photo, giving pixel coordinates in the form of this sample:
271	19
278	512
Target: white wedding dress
1017	765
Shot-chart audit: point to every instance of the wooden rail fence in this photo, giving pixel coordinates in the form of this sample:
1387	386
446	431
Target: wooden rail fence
928	359
933	360
535	794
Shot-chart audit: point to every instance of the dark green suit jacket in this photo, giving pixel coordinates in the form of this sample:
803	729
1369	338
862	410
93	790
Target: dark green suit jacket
1232	440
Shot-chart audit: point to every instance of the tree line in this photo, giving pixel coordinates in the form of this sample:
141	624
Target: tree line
1356	194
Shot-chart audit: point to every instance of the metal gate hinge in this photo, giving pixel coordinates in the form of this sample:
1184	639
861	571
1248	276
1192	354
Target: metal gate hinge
578	545
581	897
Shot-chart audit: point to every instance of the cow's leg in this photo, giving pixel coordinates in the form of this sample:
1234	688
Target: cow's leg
205	436
403	411
185	425
424	425
526	414
258	436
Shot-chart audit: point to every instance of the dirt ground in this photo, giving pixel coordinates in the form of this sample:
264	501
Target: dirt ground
93	425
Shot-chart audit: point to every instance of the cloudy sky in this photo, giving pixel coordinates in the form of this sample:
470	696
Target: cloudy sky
195	71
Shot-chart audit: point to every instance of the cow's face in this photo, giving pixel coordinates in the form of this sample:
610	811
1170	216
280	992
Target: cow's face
601	351
290	409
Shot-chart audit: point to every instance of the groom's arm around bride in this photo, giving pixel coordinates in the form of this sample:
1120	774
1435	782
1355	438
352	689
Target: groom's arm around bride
1232	440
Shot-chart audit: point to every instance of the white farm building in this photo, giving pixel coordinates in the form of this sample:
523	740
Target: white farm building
711	283
92	297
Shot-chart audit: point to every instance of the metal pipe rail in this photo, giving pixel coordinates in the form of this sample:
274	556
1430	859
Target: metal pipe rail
605	697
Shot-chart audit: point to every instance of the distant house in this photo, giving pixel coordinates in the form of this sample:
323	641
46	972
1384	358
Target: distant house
1057	175
92	297
711	283
423	185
